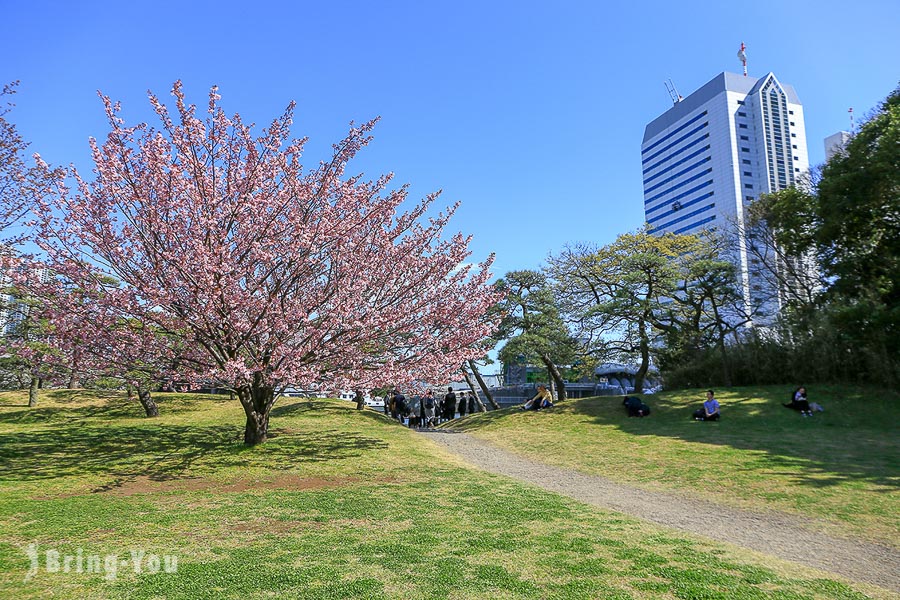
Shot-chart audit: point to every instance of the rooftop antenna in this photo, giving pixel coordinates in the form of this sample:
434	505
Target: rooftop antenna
850	110
673	93
742	56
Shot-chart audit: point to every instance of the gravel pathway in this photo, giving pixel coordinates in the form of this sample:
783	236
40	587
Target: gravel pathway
778	534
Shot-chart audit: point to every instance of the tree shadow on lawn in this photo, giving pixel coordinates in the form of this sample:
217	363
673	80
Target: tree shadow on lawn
162	452
79	405
325	408
830	448
821	451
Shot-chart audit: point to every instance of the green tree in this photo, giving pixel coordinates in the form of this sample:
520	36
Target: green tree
26	339
857	210
533	327
624	296
849	219
707	307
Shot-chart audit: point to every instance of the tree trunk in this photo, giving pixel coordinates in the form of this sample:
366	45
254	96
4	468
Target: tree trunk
726	372
720	341
150	407
257	400
472	387
557	377
645	359
483	386
360	400
129	391
33	391
73	370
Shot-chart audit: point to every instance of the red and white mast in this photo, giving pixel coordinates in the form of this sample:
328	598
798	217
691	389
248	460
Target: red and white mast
742	56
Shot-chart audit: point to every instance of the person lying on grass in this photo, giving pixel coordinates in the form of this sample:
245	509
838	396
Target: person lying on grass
543	399
710	410
635	407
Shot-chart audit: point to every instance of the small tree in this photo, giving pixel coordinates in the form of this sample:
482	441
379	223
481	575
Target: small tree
274	275
532	326
26	338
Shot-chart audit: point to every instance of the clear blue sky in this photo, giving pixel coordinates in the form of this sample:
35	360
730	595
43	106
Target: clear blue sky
530	113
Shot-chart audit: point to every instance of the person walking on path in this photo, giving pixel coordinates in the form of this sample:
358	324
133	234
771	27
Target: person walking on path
428	409
449	404
400	409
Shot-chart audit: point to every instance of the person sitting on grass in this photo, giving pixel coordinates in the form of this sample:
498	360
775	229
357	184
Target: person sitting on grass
543	399
710	410
800	402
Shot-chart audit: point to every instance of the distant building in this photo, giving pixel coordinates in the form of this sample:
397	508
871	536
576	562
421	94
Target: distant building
14	310
835	143
710	155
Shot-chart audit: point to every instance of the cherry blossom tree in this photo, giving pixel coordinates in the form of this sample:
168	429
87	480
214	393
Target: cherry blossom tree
90	339
21	182
13	170
275	275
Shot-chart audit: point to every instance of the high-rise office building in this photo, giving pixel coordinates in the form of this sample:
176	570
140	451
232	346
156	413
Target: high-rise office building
715	151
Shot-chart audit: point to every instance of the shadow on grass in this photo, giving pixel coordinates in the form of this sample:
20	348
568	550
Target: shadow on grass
78	405
855	440
162	451
326	408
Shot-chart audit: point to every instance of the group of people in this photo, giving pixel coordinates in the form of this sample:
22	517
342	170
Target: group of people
431	410
799	402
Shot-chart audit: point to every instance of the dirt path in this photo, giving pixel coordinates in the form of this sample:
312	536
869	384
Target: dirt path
785	536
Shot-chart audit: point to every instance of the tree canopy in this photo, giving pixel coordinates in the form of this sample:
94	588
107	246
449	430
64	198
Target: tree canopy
276	275
849	220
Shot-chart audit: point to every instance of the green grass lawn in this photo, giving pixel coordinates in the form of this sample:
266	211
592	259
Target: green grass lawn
841	467
337	504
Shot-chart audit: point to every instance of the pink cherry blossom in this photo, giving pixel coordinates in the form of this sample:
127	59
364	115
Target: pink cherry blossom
252	273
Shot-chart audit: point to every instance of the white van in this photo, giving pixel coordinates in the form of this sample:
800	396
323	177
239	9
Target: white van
351	396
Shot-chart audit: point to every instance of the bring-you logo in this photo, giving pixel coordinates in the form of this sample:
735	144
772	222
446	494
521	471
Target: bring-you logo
51	560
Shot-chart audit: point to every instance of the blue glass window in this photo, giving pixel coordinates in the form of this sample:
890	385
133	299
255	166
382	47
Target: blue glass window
679	185
676	175
671	133
675	143
676	153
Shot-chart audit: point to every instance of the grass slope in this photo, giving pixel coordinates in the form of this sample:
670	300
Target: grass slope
337	504
841	466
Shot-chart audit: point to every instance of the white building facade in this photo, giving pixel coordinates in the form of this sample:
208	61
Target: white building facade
836	142
714	152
